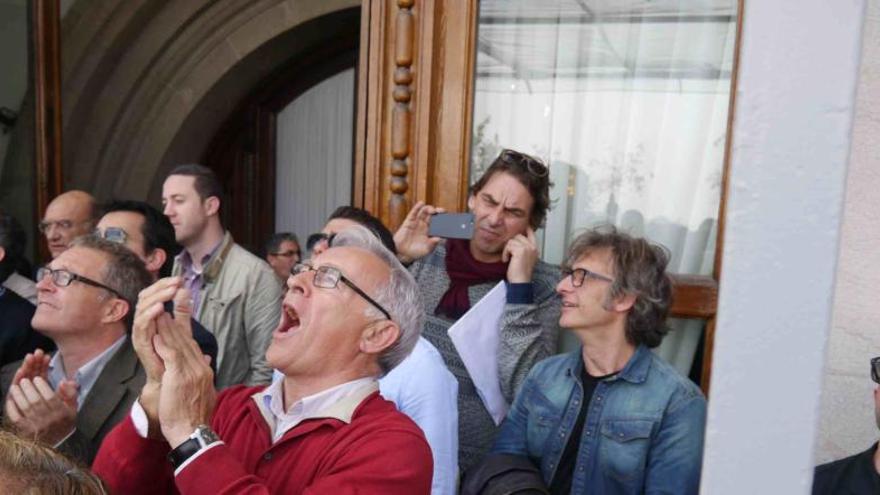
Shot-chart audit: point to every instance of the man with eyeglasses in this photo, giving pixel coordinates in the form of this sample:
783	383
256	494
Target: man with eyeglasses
235	294
67	217
610	416
421	386
149	235
857	474
348	317
282	252
72	399
509	202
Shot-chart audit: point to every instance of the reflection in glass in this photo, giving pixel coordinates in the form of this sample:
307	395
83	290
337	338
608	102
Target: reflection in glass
627	102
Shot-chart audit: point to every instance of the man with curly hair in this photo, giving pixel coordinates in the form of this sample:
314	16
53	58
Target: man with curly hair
611	416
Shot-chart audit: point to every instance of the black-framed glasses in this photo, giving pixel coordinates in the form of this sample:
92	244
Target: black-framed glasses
533	165
113	234
63	278
318	237
875	369
327	277
578	275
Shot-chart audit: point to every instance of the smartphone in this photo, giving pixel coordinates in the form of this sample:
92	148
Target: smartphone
452	225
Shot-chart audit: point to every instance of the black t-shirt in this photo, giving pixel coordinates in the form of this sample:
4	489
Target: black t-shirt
17	338
853	475
561	483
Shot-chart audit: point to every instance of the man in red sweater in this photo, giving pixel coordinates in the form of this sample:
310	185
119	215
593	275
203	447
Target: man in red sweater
349	316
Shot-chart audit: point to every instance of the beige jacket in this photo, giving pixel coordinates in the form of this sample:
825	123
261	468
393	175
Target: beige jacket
241	306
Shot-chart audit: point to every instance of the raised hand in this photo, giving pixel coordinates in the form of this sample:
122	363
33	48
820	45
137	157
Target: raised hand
36	411
32	366
522	252
187	396
411	239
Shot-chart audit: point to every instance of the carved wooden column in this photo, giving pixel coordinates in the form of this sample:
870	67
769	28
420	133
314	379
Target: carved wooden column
400	115
414	105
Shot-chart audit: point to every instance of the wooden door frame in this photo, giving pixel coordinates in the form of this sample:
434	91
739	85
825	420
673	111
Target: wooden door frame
250	214
416	93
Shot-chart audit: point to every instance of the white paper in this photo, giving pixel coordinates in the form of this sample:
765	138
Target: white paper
475	336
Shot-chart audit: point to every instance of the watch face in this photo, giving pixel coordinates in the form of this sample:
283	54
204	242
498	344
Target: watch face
207	434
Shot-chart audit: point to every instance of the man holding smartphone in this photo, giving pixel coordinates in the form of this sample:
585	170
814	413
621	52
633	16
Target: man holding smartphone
508	202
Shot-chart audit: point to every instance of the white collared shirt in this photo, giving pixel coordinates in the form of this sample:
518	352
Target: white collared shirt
330	403
86	376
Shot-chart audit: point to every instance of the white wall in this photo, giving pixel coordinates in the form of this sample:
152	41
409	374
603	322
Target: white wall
791	140
847	422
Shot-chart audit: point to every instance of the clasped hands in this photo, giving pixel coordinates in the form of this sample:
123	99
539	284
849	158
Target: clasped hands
179	391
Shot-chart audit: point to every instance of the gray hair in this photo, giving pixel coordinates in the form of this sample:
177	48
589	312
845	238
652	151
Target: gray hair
400	296
125	272
639	270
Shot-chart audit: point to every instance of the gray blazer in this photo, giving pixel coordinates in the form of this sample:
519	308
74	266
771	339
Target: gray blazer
109	401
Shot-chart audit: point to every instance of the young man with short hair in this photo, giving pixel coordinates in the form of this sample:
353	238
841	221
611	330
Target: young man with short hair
235	294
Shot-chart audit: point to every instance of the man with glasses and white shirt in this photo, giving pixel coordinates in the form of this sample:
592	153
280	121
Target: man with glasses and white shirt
282	252
72	399
348	317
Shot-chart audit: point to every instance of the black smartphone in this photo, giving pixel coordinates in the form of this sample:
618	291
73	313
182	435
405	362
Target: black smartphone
452	225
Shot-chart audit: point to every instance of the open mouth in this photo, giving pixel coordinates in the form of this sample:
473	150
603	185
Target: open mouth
289	321
566	304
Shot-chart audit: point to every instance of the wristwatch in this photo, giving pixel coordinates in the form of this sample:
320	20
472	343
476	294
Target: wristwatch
201	438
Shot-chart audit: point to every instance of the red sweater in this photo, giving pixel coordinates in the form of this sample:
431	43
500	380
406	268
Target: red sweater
381	451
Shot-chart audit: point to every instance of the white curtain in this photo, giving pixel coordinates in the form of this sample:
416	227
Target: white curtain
314	155
627	102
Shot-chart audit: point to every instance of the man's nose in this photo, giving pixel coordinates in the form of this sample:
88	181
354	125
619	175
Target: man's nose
496	215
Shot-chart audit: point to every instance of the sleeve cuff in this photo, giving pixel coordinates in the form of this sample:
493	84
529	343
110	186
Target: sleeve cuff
139	419
521	293
196	456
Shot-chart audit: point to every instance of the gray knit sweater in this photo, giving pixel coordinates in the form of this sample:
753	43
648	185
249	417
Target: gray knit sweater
528	334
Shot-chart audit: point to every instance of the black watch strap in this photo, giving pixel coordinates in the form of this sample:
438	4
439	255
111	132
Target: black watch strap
201	438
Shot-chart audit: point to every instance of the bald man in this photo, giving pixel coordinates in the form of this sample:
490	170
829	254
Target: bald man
67	217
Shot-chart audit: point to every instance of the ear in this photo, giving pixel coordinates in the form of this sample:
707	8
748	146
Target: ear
212	205
472	200
379	336
624	303
2	253
116	310
156	259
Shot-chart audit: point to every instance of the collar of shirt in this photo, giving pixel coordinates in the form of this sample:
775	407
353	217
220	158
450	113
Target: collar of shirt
86	376
186	261
338	402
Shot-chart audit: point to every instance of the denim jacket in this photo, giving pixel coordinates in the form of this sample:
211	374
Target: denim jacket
643	431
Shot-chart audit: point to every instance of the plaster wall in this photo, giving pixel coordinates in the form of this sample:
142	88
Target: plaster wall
794	107
847	424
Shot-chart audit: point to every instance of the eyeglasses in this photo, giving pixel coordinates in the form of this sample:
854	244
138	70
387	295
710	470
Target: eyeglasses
63	278
287	254
327	277
113	234
578	275
318	237
532	164
875	369
63	225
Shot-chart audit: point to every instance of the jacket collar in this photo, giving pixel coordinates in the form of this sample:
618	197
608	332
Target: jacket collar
210	268
635	371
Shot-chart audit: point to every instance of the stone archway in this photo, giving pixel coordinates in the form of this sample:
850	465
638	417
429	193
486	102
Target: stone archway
146	84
